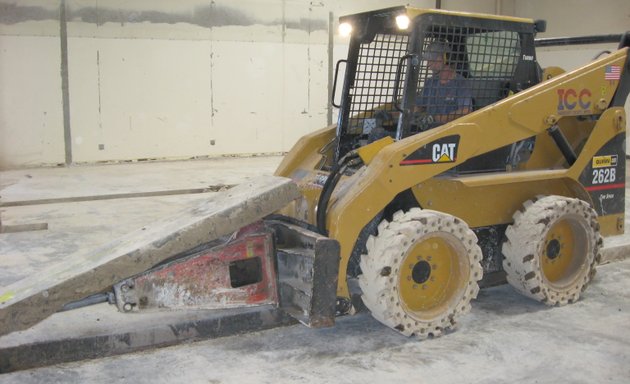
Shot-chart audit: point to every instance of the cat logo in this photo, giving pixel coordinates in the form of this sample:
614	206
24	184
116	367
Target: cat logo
440	151
443	153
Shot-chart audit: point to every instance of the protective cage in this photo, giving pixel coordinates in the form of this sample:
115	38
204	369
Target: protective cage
484	61
490	58
374	82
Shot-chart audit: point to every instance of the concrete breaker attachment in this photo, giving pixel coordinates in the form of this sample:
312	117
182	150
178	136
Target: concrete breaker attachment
268	262
221	254
235	274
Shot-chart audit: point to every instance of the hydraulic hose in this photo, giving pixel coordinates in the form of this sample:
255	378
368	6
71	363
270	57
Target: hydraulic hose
329	186
563	144
106	297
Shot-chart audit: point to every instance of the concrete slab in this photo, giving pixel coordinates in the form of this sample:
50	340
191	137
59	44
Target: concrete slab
99	331
25	185
616	248
90	223
73	227
506	338
29	301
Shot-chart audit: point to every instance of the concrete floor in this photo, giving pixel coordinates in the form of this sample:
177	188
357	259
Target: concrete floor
506	338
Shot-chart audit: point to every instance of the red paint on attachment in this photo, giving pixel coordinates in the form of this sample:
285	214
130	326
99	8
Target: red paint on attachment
204	280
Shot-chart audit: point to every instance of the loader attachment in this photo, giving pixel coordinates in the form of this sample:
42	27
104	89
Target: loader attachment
308	267
237	273
268	262
216	255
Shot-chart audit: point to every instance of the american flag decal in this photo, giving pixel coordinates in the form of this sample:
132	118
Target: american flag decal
613	72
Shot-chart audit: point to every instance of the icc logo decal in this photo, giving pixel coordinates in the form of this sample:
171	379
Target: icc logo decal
572	102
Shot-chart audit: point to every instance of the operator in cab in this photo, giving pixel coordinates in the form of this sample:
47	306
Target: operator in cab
445	95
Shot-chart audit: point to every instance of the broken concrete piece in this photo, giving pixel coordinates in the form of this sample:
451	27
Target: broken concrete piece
28	301
23	227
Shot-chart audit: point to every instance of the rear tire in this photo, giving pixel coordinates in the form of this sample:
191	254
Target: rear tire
552	249
421	272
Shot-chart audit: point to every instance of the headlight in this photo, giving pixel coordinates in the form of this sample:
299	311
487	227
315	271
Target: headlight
402	21
345	29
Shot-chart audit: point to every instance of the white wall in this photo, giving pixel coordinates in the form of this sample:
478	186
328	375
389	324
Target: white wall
166	80
576	18
30	116
218	80
31	119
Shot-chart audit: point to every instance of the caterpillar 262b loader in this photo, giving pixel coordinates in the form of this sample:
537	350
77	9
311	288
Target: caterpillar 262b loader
456	161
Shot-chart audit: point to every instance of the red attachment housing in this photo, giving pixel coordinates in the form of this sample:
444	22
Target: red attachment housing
238	273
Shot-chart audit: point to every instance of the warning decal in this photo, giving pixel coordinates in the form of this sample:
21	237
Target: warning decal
605	161
604	177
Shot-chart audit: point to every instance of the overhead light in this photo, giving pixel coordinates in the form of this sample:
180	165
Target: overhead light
345	29
402	21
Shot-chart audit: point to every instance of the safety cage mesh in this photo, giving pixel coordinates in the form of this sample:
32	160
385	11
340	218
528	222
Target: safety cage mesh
464	69
482	64
374	80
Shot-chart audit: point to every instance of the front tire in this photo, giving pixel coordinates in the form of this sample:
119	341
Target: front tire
421	272
552	249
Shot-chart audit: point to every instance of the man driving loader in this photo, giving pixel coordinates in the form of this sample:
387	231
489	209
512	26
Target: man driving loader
445	95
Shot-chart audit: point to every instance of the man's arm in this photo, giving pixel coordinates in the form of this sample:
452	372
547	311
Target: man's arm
464	110
464	104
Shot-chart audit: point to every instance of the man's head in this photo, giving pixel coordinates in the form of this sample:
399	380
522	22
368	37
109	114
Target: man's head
436	54
436	50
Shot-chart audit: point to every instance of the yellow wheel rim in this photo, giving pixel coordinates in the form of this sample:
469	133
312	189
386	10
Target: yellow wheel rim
559	251
431	276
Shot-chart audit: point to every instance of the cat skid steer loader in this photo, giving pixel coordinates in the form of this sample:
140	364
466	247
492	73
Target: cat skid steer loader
519	181
407	204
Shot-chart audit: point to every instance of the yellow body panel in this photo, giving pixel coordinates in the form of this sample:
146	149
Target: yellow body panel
612	224
551	72
484	204
368	152
309	152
